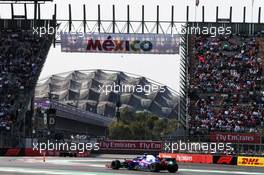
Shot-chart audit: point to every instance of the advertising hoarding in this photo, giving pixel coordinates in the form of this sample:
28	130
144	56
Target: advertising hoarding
120	43
130	145
189	158
235	137
250	161
225	159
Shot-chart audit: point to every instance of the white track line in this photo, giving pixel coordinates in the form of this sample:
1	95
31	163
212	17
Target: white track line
41	172
52	171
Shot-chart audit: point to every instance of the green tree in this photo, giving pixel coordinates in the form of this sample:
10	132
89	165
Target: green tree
120	131
127	116
141	126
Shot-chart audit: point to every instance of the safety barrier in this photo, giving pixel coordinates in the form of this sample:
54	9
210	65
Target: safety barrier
250	161
189	158
13	152
216	159
31	152
225	159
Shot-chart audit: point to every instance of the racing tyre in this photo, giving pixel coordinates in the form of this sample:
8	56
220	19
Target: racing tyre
115	164
172	168
154	167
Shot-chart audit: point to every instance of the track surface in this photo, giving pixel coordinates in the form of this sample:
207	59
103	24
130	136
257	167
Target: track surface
96	166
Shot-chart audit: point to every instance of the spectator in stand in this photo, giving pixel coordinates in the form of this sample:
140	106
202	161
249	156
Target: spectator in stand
20	63
228	80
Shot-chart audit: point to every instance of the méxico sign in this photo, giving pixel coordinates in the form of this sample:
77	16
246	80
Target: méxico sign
120	43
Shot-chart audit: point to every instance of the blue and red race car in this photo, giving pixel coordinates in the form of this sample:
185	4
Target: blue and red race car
146	163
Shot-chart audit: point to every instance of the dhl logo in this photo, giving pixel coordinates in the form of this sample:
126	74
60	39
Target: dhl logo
250	161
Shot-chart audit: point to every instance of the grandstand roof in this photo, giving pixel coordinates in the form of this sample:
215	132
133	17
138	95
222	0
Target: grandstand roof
83	88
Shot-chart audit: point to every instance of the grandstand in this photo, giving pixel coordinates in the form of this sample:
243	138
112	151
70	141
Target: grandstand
22	56
82	90
226	84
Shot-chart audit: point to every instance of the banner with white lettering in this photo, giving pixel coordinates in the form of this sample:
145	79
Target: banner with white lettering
235	137
130	145
120	43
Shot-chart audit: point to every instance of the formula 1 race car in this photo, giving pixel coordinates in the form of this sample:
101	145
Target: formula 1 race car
146	163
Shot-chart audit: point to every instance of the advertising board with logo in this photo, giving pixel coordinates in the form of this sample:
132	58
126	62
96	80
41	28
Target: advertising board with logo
120	43
235	137
228	160
130	145
189	158
250	161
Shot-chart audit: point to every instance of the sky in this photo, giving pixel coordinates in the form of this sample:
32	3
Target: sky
161	68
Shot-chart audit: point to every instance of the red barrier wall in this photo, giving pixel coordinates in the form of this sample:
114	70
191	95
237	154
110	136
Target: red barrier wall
189	158
13	152
31	152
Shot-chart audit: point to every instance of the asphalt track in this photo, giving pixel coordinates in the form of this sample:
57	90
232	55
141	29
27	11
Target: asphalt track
96	166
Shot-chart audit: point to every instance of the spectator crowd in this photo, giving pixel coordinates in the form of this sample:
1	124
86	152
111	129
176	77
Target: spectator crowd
226	89
22	55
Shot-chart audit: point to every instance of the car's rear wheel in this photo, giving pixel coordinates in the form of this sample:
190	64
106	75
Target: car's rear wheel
172	168
154	167
116	164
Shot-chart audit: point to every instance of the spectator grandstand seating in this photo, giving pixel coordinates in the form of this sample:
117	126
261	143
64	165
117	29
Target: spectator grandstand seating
226	88
22	56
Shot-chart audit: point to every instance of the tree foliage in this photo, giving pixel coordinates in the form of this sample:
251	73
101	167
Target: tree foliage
141	126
